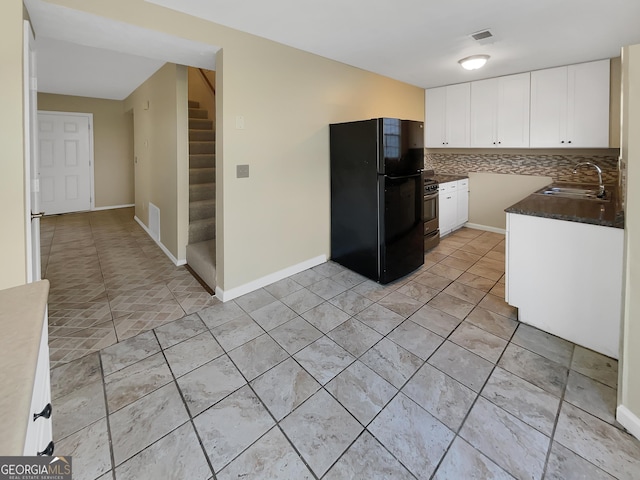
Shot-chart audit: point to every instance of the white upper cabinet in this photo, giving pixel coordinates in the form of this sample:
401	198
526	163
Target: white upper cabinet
447	116
500	112
570	106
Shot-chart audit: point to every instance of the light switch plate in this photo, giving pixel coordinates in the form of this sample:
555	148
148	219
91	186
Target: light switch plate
242	171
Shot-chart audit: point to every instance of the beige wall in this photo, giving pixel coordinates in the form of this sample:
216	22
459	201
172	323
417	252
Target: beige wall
112	144
629	395
614	103
159	108
491	193
199	90
12	182
279	216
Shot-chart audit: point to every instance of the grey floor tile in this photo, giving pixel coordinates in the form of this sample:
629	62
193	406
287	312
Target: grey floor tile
327	288
321	430
230	426
348	278
479	341
549	346
440	395
257	356
451	305
464	366
565	465
272	315
324	359
220	314
446	271
462	461
350	302
283	287
270	458
135	381
403	305
251	302
137	425
392	362
412	435
284	388
373	290
435	320
476	281
596	366
512	444
367	459
361	391
209	384
192	353
498	305
354	336
614	451
295	334
78	409
307	277
329	269
73	375
379	318
178	455
129	351
592	396
89	448
325	317
418	340
495	323
465	292
540	371
529	403
179	330
302	300
418	291
235	332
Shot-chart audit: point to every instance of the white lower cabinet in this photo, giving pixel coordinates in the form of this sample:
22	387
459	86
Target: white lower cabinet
39	431
453	205
565	278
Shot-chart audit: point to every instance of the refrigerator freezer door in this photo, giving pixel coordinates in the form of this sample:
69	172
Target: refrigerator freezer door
401	144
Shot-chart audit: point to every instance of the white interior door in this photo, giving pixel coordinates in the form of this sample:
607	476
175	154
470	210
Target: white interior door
65	148
32	193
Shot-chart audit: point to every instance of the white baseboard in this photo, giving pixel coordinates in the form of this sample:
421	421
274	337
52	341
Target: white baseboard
166	251
486	228
226	295
628	420
113	207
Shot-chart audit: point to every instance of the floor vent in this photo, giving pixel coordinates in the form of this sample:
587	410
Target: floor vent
154	221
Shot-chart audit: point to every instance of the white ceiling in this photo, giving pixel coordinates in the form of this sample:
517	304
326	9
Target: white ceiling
415	41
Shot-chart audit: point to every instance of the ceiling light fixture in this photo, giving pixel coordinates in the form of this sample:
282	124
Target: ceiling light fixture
473	62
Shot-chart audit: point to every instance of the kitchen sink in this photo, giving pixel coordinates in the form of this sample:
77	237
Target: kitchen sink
574	192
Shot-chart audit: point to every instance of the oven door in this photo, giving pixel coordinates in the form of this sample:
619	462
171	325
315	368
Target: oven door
430	217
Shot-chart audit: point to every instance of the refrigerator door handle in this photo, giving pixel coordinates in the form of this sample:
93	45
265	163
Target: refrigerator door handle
403	176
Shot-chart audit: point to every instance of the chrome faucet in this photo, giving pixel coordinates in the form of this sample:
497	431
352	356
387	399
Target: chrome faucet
599	170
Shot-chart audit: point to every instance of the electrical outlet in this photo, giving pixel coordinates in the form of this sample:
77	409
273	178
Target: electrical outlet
239	122
242	171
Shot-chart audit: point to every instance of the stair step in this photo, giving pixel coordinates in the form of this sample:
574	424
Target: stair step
202	191
198	113
202	175
194	104
202	230
200	124
202	209
202	147
202	135
202	160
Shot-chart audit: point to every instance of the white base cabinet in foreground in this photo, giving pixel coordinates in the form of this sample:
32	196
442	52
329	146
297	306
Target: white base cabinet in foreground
566	278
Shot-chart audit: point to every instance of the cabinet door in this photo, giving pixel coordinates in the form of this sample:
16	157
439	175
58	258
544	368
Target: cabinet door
513	98
447	207
435	117
548	108
588	101
462	203
457	117
484	112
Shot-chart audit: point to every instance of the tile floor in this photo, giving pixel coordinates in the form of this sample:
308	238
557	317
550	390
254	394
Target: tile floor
322	375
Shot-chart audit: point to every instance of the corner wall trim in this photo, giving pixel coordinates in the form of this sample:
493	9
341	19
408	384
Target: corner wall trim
166	251
113	207
486	228
232	293
628	420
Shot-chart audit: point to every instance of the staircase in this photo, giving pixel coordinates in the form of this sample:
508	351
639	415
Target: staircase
201	254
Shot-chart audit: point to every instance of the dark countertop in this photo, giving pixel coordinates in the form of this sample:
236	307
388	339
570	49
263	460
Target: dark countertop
446	177
607	214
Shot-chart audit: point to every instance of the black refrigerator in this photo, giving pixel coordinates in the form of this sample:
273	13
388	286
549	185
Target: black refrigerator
377	197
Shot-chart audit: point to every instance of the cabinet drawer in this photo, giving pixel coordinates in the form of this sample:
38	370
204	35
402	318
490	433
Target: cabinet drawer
448	187
463	184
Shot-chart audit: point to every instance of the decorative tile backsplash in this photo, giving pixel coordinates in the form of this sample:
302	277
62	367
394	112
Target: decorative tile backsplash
559	167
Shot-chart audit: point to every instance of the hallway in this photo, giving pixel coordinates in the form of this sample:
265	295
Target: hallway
109	282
